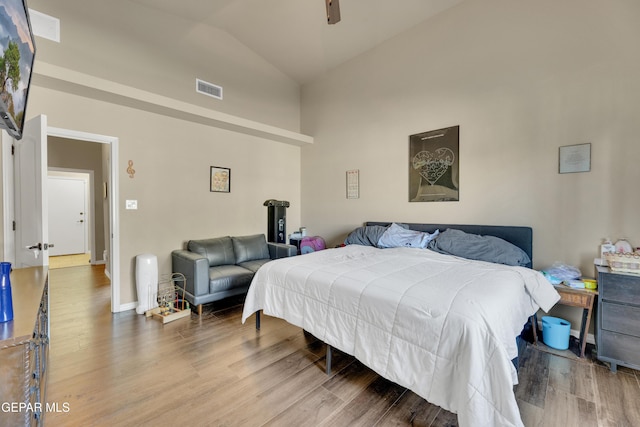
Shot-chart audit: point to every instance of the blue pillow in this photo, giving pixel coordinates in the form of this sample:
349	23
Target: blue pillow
396	236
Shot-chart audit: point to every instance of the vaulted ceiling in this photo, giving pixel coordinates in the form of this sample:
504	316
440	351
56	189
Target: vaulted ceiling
293	35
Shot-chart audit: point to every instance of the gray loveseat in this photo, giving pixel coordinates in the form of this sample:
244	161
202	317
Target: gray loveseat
224	266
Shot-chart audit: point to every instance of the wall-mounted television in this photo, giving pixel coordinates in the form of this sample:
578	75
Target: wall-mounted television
17	53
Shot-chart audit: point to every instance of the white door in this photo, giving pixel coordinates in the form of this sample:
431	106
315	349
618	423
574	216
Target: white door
30	168
67	215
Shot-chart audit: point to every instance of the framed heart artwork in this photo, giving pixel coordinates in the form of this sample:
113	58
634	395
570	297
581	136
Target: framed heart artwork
434	168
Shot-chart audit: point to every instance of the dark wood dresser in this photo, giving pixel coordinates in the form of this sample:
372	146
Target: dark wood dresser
618	319
24	349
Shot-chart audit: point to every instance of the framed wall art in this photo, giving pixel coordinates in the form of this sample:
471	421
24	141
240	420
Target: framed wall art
434	166
575	158
220	180
353	184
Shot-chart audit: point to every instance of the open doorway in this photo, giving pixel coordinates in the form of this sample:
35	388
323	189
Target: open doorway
78	210
105	196
24	198
72	222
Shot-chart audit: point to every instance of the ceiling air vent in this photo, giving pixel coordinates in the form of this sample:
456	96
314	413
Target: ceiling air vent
208	89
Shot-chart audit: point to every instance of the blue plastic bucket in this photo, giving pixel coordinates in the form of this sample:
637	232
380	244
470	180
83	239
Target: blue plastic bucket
555	332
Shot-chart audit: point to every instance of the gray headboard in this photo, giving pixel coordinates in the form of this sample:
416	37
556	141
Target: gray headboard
522	237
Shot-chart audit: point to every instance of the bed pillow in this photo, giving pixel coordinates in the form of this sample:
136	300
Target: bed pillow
366	236
477	247
397	236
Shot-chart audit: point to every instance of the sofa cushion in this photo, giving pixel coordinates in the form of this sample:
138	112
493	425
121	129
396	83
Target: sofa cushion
254	265
225	277
219	251
250	248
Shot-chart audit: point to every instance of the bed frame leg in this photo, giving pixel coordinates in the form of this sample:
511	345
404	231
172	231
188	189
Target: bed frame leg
258	320
328	362
534	326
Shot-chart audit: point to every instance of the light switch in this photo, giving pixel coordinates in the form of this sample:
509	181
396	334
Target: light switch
131	204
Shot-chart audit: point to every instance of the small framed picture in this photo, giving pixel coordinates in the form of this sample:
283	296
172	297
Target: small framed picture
575	158
353	184
220	180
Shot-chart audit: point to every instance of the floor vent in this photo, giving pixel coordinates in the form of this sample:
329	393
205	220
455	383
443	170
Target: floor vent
208	89
45	26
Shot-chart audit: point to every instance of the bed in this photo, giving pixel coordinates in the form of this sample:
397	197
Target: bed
442	325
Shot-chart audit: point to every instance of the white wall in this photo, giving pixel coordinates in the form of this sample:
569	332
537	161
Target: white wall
521	79
164	54
171	159
171	156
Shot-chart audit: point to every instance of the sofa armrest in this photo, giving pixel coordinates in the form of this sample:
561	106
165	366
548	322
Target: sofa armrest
195	268
281	250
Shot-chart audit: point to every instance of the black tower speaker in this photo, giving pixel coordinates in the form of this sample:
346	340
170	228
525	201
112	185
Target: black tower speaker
276	220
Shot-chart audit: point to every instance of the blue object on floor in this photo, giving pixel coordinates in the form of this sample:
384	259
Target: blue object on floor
555	332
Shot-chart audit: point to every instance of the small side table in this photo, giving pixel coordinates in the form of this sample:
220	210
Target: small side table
574	297
295	241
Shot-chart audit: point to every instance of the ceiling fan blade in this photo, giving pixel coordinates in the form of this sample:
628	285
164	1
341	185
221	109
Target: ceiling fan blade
333	11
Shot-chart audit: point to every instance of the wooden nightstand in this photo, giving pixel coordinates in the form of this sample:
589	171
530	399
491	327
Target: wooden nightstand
583	298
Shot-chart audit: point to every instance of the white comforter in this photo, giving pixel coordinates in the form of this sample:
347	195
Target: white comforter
442	326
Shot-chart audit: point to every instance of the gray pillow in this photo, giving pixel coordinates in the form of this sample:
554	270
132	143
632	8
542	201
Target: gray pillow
365	236
369	235
477	247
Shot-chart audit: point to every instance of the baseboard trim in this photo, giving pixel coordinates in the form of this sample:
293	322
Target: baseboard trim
127	306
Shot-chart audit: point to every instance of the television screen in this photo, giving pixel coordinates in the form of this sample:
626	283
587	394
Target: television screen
16	61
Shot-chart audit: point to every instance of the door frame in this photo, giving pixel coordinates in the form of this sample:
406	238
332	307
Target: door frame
8	204
29	192
113	272
90	235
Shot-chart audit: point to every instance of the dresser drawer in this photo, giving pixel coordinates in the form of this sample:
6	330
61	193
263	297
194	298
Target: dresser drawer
621	318
620	347
620	287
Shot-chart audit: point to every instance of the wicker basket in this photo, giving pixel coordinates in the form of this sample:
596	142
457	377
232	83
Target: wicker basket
624	262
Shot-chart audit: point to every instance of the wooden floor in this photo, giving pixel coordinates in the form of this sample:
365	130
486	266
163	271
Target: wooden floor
124	370
64	261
